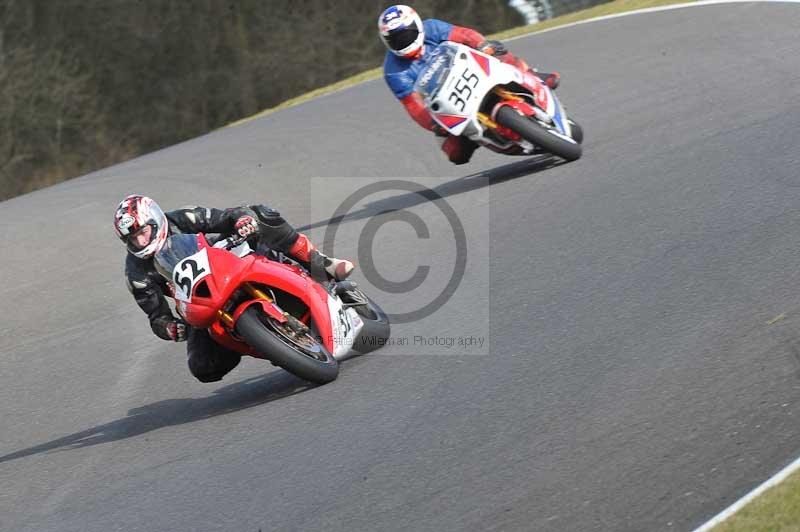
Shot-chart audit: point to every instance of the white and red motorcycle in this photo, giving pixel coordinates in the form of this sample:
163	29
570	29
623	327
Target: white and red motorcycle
475	95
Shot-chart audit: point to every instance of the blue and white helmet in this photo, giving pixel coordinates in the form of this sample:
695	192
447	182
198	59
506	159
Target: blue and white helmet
402	31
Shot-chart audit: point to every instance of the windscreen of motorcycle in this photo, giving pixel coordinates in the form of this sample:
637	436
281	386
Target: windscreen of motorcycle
184	264
439	62
174	250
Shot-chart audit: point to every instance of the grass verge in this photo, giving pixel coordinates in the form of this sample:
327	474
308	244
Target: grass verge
775	510
609	8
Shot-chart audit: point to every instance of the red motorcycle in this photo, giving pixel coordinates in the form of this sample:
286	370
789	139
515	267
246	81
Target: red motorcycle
268	306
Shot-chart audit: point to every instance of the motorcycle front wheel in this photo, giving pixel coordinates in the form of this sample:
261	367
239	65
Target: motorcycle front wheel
538	135
577	131
298	353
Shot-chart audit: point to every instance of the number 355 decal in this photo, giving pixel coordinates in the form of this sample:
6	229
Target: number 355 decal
188	272
463	89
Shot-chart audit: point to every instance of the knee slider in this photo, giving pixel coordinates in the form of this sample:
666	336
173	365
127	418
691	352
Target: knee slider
203	372
208	377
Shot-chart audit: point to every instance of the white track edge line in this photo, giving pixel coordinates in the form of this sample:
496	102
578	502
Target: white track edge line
778	477
789	469
670	7
533	32
761	488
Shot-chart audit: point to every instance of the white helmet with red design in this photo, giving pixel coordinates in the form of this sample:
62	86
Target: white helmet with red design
402	31
133	214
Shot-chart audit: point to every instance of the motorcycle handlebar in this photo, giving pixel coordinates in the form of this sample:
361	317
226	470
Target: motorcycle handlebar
233	241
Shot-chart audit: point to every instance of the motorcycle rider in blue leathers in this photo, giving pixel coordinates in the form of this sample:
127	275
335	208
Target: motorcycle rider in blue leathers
408	39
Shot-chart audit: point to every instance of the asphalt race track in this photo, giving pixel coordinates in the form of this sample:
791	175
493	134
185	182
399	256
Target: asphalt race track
640	311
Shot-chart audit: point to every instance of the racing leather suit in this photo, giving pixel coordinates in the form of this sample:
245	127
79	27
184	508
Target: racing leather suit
208	361
401	74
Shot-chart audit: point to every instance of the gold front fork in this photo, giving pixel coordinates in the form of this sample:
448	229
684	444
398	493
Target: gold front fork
255	292
486	121
506	95
227	319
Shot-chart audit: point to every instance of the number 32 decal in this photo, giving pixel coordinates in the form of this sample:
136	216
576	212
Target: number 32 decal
188	272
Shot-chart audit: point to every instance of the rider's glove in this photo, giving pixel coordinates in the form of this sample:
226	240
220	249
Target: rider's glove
169	328
246	226
495	48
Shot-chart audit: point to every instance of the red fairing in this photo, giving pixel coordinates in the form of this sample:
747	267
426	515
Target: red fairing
229	272
507	133
221	336
415	108
269	309
451	121
295	281
466	36
482	61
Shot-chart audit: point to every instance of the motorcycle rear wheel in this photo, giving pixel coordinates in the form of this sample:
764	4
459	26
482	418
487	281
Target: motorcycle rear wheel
376	327
538	135
301	355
